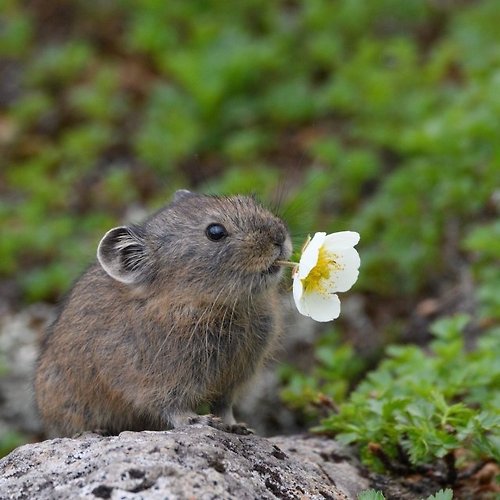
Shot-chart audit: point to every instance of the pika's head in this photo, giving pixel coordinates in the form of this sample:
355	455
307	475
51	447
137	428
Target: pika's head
218	247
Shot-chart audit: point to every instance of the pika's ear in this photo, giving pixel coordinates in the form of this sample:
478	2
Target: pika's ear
180	194
122	254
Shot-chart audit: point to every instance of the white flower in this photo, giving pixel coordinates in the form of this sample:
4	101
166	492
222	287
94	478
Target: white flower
328	264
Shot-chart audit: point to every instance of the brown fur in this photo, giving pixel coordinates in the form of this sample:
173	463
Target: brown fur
184	321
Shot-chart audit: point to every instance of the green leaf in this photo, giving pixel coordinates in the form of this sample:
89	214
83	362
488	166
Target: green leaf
450	328
442	495
371	495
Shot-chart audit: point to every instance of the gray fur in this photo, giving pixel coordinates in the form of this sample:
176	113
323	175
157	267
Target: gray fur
165	320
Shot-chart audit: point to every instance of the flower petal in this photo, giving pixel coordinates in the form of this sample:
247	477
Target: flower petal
346	270
298	294
340	240
310	256
321	306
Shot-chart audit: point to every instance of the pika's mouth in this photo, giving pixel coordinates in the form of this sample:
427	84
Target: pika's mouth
280	258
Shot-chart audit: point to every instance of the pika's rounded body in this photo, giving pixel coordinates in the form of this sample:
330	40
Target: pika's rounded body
178	311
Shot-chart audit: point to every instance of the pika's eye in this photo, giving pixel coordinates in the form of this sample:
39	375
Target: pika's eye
216	232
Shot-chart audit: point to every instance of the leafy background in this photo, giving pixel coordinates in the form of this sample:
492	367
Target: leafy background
380	117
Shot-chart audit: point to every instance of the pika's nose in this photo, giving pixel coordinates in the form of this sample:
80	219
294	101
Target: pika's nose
276	233
282	241
279	240
279	236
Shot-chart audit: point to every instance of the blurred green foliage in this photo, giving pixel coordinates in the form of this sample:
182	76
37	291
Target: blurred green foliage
9	441
380	117
335	368
395	104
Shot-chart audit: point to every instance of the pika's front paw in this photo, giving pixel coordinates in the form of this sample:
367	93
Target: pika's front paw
241	428
210	420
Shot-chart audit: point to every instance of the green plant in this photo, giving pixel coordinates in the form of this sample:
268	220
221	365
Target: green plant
416	409
17	32
442	495
371	495
484	243
9	441
327	384
204	93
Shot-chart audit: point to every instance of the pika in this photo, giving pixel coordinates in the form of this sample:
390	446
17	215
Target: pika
177	312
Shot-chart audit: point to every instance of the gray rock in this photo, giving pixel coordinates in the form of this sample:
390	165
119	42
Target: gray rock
196	462
19	335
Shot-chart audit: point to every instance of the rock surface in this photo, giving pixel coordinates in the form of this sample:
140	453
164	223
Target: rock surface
19	334
191	462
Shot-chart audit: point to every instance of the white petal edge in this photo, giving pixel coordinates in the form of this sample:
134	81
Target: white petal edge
344	278
310	256
321	307
298	293
340	240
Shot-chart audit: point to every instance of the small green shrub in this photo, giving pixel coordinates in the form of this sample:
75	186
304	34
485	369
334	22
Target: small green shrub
371	495
336	365
484	242
17	30
59	64
417	408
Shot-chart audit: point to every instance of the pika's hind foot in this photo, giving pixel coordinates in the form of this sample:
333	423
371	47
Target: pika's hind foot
218	423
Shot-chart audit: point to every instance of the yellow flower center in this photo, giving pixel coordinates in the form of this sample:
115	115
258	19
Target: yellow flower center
321	271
